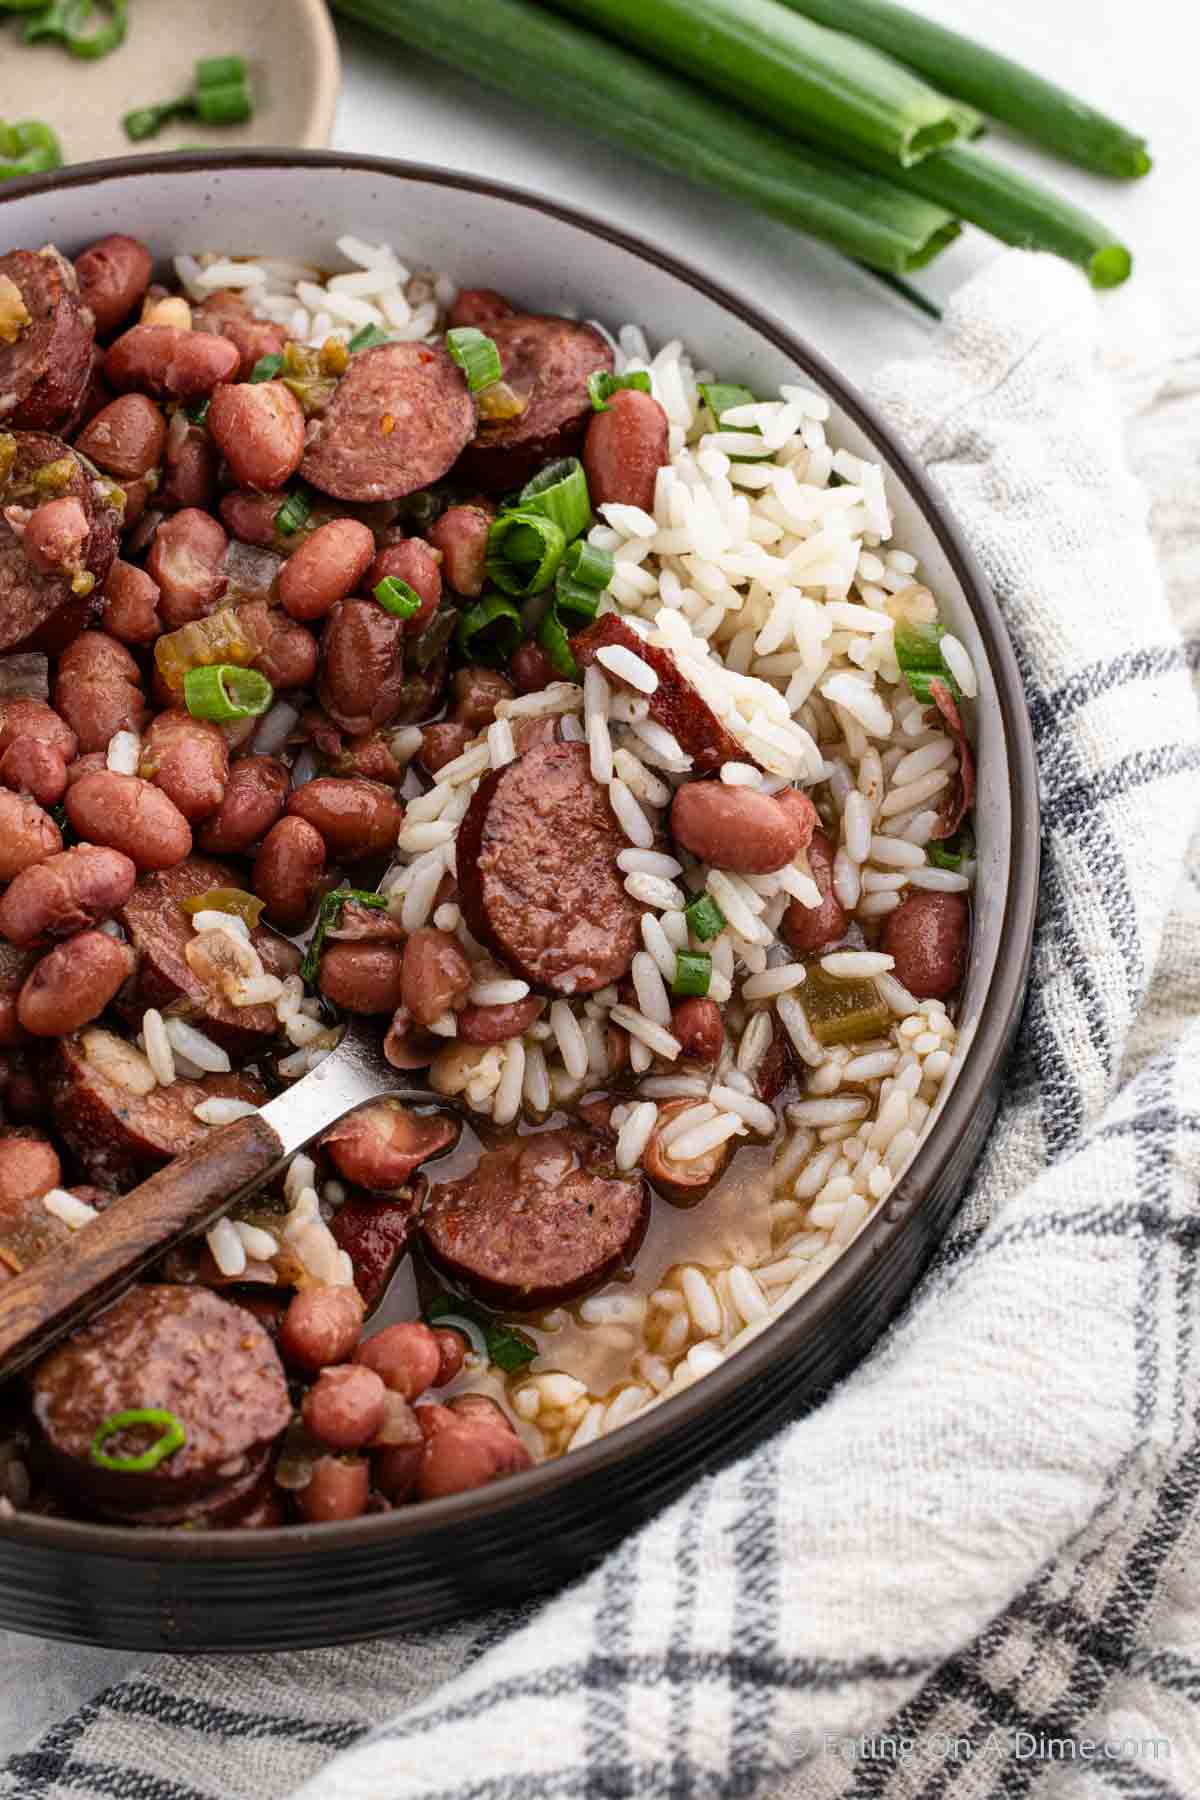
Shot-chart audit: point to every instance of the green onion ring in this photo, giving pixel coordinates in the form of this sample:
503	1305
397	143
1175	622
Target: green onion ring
174	1435
602	386
524	550
397	597
223	691
560	491
490	631
476	355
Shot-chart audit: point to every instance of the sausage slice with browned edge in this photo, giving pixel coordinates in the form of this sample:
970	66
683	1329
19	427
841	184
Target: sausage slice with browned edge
675	704
46	345
538	876
546	361
44	609
398	419
541	1219
175	963
181	1350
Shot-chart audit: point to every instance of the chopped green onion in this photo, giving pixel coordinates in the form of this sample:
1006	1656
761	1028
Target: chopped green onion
228	105
28	148
693	972
293	514
552	636
950	853
64	20
215	71
148	121
223	691
573	596
267	367
476	355
174	1434
918	651
560	491
722	396
705	920
588	564
602	386
328	914
366	338
198	412
504	1346
490	631
396	597
524	550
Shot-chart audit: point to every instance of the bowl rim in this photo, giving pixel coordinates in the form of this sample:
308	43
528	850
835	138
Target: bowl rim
989	1046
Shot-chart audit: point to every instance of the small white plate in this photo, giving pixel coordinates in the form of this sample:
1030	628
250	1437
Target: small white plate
289	48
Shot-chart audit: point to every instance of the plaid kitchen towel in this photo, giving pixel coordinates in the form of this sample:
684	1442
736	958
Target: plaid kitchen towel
975	1569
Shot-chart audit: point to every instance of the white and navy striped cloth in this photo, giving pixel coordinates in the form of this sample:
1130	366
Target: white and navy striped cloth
975	1570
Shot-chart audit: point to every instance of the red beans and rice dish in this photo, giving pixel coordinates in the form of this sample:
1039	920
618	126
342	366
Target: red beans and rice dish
373	648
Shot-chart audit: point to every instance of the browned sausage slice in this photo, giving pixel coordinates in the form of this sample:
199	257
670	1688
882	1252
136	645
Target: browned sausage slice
675	704
397	421
182	1349
538	876
541	1219
546	362
40	610
120	1136
44	371
160	931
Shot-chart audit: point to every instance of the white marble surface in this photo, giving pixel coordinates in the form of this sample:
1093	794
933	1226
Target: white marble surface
1136	60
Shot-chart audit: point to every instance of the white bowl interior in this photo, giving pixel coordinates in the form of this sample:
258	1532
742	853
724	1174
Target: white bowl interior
550	264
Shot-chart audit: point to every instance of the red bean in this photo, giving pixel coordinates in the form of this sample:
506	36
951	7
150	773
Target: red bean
395	1469
327	566
442	742
321	1326
452	1348
169	363
362	665
24	717
255	796
477	693
56	534
250	517
468	1455
189	760
380	1145
131	605
625	448
114	273
493	1024
287	653
339	1489
479	306
355	818
735	828
189	470
29	1167
531	669
73	984
130	815
27	834
461	534
186	560
54	898
436	974
33	768
362	978
98	690
697	1024
259	429
927	934
405	1357
287	870
811	928
227	313
126	438
413	562
344	1407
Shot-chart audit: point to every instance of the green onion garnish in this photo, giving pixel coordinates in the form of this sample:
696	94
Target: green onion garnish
490	631
722	396
222	691
293	514
267	367
552	636
396	597
220	95
919	654
602	386
559	491
174	1433
65	19
504	1346
198	412
524	550
704	917
950	853
476	355
328	914
366	338
693	973
28	148
227	105
218	71
583	575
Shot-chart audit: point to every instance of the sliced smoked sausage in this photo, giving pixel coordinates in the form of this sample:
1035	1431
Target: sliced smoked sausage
546	361
538	875
48	365
675	704
540	1220
398	419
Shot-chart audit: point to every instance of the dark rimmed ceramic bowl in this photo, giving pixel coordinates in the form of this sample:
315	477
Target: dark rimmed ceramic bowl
308	1585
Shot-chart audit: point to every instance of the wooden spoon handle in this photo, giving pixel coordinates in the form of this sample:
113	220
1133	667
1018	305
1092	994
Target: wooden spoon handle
44	1303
